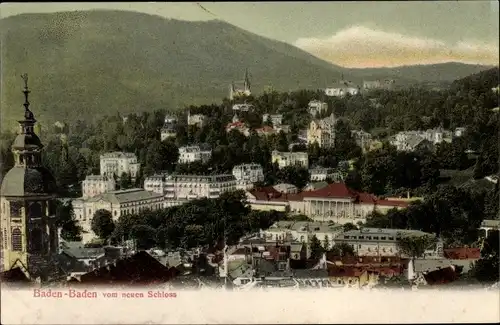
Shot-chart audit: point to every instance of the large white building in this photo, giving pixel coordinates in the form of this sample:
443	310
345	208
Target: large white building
189	154
117	163
318	174
284	159
377	242
275	119
191	187
248	173
197	120
342	89
97	184
119	203
322	132
155	183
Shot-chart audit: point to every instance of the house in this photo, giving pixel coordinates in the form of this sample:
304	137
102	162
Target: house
363	139
318	174
275	119
284	159
198	120
341	89
190	187
248	173
348	276
378	84
79	258
169	129
322	132
156	183
189	154
97	184
114	164
316	108
140	268
266	130
239	126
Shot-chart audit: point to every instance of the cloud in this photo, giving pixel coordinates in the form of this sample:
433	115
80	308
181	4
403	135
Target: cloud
360	47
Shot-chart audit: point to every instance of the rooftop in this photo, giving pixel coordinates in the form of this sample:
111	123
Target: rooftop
124	196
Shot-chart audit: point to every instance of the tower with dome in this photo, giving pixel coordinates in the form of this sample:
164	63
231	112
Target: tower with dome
27	201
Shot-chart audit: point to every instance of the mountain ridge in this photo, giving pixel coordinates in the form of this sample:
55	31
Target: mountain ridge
98	62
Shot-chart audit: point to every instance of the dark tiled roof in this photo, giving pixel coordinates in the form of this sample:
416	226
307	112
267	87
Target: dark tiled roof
14	275
140	268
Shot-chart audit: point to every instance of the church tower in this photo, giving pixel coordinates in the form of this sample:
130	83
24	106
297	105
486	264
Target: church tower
27	196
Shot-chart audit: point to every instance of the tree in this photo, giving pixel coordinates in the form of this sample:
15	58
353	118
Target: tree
125	181
316	248
326	243
349	226
414	246
342	249
144	236
102	223
487	268
70	231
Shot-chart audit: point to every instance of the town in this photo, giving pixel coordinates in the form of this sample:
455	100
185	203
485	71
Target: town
268	190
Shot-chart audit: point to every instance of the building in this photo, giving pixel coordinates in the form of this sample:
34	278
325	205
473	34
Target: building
191	187
460	131
155	183
240	89
248	173
119	203
265	131
114	164
378	84
333	203
27	196
242	107
316	107
318	174
198	120
301	231
275	119
322	132
284	159
341	89
239	126
363	139
189	154
377	242
410	141
97	184
169	129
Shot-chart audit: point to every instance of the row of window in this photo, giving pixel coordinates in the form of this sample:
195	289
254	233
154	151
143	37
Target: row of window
391	238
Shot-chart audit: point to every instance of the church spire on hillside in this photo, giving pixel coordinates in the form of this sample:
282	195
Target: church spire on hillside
28	115
247	81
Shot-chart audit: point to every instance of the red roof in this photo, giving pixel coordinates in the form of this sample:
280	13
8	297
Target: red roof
393	203
265	129
462	253
335	190
235	124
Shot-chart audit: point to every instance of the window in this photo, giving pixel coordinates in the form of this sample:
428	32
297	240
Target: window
382	238
36	240
391	238
375	238
361	237
15	209
17	240
369	237
35	210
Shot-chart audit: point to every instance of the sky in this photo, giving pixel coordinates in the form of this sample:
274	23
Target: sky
350	34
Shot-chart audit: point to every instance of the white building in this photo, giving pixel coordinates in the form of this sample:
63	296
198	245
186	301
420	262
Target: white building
189	154
322	132
191	187
319	174
363	139
342	89
284	159
155	183
460	131
248	173
317	107
97	184
197	120
302	231
286	188
117	163
169	128
376	242
119	203
275	119
243	107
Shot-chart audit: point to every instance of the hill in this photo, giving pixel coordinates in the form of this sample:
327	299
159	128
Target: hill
88	63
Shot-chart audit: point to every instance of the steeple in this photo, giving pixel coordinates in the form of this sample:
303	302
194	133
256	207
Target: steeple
27	146
247	81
